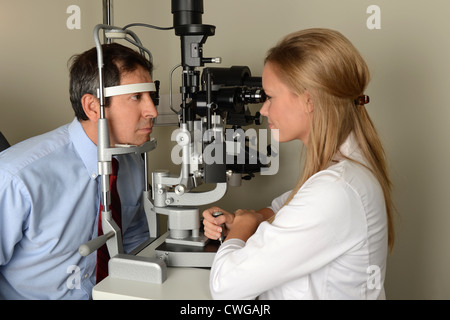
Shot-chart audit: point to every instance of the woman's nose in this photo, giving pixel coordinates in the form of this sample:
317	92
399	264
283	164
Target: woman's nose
264	109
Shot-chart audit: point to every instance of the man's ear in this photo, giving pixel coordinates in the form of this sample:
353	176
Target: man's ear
91	106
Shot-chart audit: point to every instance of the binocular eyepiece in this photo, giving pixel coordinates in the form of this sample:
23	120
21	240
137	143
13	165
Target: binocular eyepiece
234	85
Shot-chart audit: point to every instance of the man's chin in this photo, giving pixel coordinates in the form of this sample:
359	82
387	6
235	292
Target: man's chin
144	140
138	142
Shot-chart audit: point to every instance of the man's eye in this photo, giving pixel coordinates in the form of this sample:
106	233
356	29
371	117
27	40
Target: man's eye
136	97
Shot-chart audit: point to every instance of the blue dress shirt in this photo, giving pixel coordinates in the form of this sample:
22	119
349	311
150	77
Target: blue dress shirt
49	203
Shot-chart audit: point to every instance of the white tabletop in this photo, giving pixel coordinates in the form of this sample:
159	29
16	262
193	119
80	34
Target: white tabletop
181	284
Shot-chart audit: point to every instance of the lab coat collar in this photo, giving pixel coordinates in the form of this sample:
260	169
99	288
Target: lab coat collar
349	146
350	149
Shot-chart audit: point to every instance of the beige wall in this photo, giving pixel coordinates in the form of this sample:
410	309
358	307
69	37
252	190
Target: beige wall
408	56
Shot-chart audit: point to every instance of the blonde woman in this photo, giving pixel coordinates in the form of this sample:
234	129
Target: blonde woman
329	237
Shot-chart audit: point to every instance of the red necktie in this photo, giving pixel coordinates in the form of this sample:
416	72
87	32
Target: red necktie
116	210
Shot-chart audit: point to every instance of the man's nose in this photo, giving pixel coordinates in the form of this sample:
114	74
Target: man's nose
149	109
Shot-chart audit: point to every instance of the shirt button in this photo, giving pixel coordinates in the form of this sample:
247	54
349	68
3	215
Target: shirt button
94	175
86	275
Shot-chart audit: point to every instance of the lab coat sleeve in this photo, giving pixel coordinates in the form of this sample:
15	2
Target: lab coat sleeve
322	222
278	202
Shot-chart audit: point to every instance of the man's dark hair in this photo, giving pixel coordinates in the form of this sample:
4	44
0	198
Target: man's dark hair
118	59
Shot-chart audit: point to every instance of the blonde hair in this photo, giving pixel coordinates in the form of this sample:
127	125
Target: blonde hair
326	65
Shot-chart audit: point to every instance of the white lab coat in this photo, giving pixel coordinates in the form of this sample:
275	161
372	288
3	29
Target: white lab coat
329	242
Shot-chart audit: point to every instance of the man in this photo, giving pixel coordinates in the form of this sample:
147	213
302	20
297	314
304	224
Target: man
50	188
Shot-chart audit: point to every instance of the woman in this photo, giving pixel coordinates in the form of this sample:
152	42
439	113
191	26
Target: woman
328	238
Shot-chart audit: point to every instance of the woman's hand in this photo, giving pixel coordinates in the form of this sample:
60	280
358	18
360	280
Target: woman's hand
245	224
214	225
241	224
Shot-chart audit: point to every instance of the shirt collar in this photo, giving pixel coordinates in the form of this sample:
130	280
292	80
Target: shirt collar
85	147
